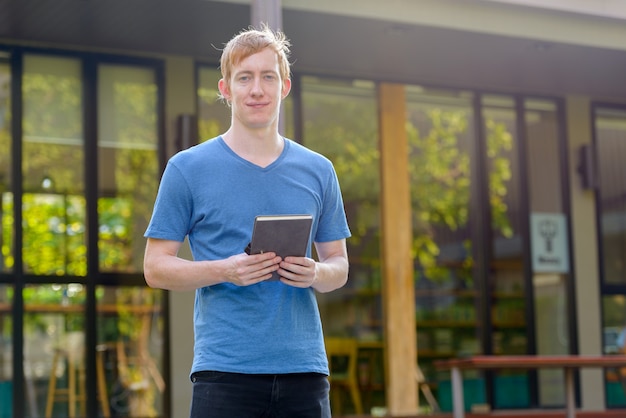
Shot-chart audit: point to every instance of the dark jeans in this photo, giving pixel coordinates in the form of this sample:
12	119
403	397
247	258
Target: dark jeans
234	395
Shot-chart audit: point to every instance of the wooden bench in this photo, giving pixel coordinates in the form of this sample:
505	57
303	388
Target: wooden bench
569	363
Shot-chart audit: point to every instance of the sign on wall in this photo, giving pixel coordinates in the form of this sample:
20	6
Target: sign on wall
549	243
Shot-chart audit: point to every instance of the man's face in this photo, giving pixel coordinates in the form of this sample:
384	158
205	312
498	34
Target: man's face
255	90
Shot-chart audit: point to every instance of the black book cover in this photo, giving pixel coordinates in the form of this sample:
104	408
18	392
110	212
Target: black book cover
286	235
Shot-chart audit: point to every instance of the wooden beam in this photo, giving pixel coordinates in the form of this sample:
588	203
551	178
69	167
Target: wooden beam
398	288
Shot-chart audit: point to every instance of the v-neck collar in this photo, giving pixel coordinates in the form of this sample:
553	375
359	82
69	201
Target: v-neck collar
286	145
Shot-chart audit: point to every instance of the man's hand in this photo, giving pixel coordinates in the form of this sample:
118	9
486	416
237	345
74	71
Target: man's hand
298	271
246	270
163	269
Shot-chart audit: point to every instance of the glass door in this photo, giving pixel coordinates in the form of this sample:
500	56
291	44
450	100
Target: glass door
610	146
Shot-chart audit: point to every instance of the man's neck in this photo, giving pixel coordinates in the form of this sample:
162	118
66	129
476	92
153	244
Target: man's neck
260	147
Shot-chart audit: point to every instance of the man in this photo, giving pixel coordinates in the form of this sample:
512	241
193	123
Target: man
259	347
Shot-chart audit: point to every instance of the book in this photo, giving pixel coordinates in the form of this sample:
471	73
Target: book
286	235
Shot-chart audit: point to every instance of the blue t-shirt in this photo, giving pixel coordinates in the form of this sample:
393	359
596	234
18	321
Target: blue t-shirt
212	195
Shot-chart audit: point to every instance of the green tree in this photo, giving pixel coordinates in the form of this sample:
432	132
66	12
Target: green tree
439	170
440	193
345	129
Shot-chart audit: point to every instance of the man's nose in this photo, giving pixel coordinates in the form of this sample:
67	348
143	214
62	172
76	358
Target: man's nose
257	89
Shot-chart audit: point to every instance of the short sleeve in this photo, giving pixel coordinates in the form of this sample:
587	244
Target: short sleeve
173	207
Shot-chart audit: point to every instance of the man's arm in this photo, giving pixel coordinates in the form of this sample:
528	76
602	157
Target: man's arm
325	275
163	269
332	269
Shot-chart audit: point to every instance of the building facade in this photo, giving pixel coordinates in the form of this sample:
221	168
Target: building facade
480	146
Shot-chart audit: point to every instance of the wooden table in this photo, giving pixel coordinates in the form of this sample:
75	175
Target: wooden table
569	363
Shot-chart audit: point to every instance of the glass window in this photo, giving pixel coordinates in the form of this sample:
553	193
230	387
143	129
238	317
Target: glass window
549	238
613	338
128	163
440	134
53	161
506	273
54	348
6	197
129	355
610	127
340	121
501	147
6	352
610	144
213	114
55	245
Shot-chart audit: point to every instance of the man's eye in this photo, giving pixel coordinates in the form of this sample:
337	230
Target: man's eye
244	78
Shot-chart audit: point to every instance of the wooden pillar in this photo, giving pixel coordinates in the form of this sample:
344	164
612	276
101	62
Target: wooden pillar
398	288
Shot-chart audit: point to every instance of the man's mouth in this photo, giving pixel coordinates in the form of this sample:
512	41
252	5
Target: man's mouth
257	104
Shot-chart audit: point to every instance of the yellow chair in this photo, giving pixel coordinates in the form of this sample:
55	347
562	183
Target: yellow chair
72	355
342	356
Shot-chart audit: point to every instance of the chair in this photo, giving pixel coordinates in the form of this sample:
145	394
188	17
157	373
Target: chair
421	382
138	371
342	356
72	354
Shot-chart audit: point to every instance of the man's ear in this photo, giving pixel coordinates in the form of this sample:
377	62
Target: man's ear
224	89
286	87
